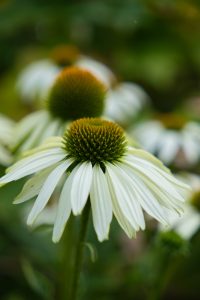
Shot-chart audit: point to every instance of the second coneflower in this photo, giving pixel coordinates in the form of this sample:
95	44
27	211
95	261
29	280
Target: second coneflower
76	93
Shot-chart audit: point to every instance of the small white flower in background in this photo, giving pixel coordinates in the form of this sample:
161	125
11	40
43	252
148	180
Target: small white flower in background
96	165
125	101
6	137
189	224
174	141
75	93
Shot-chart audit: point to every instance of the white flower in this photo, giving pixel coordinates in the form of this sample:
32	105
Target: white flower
189	224
168	143
96	165
6	137
125	101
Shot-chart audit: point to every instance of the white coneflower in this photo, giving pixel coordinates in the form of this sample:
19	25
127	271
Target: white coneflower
97	165
173	139
76	93
6	136
189	224
125	102
37	78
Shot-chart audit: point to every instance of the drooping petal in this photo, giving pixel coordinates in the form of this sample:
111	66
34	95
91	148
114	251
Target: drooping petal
146	198
63	210
32	165
122	172
101	204
81	183
125	197
122	220
47	190
33	186
157	176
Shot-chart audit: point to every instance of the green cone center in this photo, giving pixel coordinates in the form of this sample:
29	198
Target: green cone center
76	94
95	140
172	121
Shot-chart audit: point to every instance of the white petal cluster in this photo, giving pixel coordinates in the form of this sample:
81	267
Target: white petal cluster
36	79
125	102
189	223
34	129
168	143
135	184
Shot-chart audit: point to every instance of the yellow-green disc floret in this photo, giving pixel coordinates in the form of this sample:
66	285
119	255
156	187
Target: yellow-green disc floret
95	140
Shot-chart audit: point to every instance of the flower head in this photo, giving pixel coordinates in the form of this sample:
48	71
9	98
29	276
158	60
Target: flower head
75	93
93	162
173	138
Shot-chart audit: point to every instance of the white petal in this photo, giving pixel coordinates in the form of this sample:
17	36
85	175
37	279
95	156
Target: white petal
190	148
101	204
126	196
81	183
33	186
147	199
34	137
26	125
47	190
156	175
5	156
63	211
168	146
122	220
31	165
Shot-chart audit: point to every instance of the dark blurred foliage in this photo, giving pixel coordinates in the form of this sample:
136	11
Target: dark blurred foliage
154	43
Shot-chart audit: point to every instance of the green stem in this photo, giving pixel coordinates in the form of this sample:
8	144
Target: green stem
67	257
79	251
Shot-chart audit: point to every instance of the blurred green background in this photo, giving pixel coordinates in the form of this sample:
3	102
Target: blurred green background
153	43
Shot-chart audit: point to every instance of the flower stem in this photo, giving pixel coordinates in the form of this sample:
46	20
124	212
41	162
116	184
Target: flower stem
66	261
79	251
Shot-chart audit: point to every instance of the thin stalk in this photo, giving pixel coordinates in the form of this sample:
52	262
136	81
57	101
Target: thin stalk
79	252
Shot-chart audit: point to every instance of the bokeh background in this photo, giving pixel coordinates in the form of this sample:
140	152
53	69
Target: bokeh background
153	43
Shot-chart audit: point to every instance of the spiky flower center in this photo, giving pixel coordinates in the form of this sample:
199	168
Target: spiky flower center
65	55
172	121
195	200
95	140
76	94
